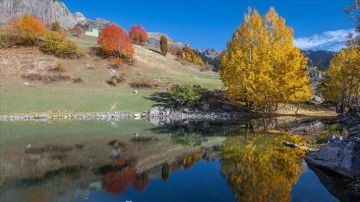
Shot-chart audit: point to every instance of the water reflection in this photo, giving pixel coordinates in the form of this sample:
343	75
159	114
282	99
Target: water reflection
67	161
259	168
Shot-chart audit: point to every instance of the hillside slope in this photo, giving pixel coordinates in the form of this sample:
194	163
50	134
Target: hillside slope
21	93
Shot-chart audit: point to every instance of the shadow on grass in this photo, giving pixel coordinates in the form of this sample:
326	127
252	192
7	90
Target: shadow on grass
155	51
161	98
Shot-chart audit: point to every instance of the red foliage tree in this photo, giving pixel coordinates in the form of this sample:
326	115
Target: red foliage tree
138	34
114	41
30	28
119	182
141	182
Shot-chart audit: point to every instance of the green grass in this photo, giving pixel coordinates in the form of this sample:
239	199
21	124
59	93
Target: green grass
84	41
54	99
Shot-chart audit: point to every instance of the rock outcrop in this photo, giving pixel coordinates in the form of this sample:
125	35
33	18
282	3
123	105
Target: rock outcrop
48	11
343	156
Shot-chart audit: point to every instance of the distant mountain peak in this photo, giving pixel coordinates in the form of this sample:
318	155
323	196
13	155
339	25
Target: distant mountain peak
210	52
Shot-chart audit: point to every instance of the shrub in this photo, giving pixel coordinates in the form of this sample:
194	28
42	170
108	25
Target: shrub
206	68
30	28
55	44
114	41
46	78
143	83
138	34
115	79
187	92
77	30
163	44
189	55
175	50
4	40
59	68
77	80
55	26
9	36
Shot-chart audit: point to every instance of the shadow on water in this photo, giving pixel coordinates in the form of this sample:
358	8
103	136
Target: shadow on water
161	98
341	187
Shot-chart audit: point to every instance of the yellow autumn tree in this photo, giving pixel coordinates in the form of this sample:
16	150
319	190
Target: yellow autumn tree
342	84
261	66
30	28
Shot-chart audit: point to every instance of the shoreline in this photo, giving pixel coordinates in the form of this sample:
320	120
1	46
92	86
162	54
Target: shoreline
157	113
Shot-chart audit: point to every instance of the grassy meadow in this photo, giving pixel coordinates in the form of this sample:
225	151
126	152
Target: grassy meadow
93	94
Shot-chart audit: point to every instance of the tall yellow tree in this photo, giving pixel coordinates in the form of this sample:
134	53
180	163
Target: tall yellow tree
261	66
342	84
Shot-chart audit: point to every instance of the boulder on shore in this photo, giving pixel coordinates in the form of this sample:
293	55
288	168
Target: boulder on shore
342	157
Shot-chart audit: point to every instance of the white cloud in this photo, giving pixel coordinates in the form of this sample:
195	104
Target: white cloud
330	40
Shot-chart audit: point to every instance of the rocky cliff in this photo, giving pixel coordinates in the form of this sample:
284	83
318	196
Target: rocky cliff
48	11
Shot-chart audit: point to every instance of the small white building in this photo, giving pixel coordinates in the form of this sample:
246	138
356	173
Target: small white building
93	32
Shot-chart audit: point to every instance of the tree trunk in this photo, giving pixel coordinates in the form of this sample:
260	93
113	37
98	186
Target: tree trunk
297	109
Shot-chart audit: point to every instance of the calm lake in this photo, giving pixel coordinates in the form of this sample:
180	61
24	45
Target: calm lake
186	161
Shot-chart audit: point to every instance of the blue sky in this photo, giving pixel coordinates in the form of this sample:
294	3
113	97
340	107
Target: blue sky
318	24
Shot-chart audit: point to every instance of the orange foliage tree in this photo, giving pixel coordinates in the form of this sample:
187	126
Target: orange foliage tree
118	182
30	28
114	41
138	34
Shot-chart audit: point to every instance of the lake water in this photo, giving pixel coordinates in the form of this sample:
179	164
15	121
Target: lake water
137	161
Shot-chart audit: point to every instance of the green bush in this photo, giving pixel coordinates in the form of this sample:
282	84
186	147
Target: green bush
55	26
54	44
187	92
144	83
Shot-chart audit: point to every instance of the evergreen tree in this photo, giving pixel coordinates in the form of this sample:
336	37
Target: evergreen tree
163	45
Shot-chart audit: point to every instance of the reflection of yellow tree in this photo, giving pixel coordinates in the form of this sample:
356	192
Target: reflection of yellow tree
260	168
189	160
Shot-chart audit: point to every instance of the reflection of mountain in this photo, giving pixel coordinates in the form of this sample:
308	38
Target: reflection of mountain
343	188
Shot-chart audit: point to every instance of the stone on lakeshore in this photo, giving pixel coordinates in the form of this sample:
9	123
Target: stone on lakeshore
154	112
341	157
355	131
